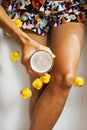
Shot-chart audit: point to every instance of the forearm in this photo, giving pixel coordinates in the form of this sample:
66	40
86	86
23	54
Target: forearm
7	24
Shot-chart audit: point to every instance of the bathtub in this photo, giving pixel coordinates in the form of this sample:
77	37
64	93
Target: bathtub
14	111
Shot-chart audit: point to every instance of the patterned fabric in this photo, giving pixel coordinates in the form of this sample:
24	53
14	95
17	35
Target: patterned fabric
42	15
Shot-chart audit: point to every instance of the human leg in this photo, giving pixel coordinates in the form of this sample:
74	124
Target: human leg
67	43
34	98
35	93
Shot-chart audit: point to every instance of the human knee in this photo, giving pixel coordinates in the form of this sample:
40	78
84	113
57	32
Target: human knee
64	80
68	80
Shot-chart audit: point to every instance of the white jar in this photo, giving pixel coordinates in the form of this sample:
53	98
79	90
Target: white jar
41	62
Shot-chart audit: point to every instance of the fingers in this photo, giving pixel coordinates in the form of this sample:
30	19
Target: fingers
27	51
39	46
29	70
26	63
48	50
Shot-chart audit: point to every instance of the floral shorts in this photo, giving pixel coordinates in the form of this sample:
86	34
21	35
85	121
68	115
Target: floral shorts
41	16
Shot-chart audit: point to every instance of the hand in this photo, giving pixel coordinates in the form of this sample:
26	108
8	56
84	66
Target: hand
28	49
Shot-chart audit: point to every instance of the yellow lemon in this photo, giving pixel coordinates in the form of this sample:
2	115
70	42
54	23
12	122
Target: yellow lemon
14	56
26	93
45	78
37	83
79	82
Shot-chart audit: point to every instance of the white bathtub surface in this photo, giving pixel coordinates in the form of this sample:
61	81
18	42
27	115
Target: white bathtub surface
13	77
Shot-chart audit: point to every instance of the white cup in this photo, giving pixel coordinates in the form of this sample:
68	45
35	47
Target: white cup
41	62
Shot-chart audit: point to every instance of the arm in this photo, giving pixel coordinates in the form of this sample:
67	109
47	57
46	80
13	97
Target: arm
7	25
28	45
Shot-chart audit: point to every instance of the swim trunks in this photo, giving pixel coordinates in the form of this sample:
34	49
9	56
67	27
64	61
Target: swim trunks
42	15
